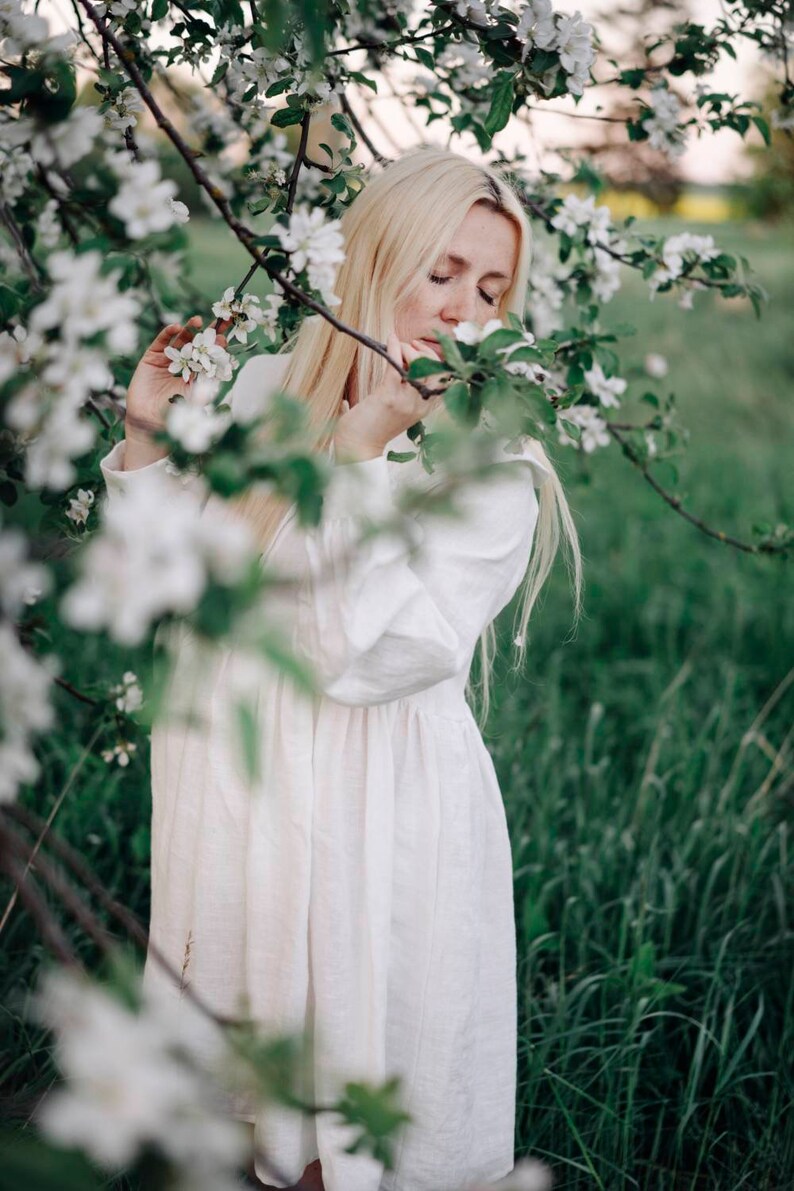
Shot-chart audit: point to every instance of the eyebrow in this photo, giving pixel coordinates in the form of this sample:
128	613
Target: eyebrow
461	260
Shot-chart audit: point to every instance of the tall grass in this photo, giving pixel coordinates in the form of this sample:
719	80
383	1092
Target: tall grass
646	768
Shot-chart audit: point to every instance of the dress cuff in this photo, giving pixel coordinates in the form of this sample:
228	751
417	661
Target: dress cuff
117	479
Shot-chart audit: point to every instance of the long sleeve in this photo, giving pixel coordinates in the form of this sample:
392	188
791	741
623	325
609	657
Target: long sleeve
392	622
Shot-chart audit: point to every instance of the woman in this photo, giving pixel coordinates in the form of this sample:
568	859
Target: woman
362	890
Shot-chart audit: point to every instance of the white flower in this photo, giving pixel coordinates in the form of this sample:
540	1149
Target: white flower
575	47
244	313
62	144
606	388
656	365
536	27
606	281
578	213
80	506
685	247
132	1079
592	425
128	694
48	229
180	211
16	350
316	245
142	563
120	753
469	332
650	443
201	356
82	303
662	126
142	202
123	113
24	709
18	577
63	436
196	427
472	10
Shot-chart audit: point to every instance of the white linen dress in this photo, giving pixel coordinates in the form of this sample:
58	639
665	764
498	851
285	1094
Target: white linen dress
362	891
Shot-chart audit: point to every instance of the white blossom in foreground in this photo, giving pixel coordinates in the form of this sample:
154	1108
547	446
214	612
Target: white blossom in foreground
316	245
592	426
531	370
142	564
143	201
80	506
83	302
132	1080
196	426
606	388
128	694
471	333
536	27
18	576
24	710
180	211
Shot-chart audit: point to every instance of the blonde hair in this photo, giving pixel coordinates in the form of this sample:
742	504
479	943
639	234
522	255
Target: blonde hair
394	231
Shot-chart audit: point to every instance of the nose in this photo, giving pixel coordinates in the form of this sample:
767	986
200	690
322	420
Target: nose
460	306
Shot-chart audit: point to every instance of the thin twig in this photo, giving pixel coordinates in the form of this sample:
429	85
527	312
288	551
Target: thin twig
357	125
675	503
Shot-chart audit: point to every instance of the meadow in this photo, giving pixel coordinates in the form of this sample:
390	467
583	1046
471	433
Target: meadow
646	765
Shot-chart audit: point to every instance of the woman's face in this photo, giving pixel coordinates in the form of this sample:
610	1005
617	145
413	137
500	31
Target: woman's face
467	282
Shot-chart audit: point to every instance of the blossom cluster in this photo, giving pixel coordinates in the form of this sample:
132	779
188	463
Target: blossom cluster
144	202
244	313
142	565
25	710
316	245
680	252
662	124
135	1079
47	412
570	36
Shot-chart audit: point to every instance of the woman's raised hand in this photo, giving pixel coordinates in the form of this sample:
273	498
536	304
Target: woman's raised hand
152	384
364	430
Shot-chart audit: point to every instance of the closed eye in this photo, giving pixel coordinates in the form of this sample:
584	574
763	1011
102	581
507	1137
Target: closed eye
487	298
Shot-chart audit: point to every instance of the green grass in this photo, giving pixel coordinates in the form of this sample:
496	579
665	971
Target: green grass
646	770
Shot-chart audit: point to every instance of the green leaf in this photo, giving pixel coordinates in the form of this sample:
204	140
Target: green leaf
159	9
426	367
501	102
763	128
284	117
340	122
27	1161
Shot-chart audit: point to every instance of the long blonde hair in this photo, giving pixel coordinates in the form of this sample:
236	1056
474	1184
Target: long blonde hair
394	231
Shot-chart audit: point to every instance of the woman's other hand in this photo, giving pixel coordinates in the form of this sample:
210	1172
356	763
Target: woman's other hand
364	431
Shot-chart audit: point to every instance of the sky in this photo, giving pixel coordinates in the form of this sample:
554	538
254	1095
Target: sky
712	159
